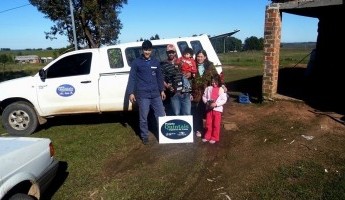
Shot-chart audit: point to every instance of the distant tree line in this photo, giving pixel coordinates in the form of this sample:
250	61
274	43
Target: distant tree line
27	49
156	37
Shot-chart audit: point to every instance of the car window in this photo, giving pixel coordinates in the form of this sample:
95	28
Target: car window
196	46
132	53
158	52
182	46
73	65
115	58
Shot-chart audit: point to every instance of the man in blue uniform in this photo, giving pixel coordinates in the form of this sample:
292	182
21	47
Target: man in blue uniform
146	87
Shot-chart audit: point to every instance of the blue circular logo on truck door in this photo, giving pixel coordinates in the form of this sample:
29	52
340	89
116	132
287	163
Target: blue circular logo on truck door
65	90
176	129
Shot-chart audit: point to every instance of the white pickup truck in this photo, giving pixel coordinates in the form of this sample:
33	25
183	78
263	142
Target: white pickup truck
27	166
82	81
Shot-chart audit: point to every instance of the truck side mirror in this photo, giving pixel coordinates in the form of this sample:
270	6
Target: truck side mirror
42	74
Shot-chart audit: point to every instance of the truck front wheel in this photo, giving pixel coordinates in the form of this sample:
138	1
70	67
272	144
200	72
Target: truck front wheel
19	119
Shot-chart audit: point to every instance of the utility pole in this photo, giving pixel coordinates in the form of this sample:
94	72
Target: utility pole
73	25
224	41
224	44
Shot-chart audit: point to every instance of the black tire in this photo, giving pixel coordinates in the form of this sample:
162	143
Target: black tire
21	196
19	119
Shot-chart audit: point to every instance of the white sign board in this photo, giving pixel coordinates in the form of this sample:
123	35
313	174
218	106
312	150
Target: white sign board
176	129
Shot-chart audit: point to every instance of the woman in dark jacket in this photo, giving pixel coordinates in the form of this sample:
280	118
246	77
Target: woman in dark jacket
205	71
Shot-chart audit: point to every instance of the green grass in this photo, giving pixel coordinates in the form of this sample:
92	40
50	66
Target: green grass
11	71
302	180
254	59
243	59
250	64
86	147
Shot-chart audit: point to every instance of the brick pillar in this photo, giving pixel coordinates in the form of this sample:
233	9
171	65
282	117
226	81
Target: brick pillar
272	37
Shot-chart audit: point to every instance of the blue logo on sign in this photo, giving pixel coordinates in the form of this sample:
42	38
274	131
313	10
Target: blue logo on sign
176	129
65	90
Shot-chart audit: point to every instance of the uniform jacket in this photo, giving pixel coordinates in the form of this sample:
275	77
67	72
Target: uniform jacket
145	78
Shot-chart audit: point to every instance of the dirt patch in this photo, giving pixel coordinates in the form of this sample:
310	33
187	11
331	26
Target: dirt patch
262	138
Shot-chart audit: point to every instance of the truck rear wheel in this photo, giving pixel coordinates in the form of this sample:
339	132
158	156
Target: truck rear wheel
19	119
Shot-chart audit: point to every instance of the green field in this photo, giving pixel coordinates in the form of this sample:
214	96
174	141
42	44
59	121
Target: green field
250	59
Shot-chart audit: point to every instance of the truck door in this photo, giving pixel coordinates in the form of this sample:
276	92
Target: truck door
113	83
69	86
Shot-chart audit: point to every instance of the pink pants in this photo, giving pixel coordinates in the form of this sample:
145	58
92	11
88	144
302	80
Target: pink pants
213	121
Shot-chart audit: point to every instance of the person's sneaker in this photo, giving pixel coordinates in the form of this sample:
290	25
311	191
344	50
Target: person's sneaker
198	134
204	140
212	141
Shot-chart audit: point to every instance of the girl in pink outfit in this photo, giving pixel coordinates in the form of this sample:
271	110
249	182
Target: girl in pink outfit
214	97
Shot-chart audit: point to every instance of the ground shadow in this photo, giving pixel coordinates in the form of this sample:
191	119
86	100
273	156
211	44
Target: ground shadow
126	119
57	182
322	93
251	86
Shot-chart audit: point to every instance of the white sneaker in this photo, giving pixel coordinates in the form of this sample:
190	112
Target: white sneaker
204	140
212	141
198	134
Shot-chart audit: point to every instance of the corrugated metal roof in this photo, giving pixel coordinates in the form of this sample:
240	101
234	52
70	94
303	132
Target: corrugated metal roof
27	57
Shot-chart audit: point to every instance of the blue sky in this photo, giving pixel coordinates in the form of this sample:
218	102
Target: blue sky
24	27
